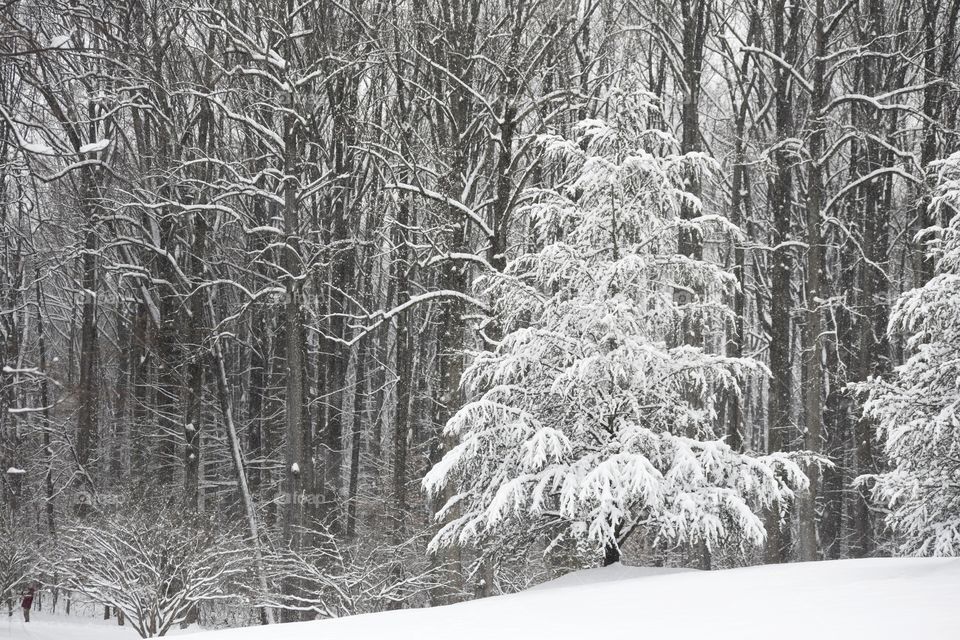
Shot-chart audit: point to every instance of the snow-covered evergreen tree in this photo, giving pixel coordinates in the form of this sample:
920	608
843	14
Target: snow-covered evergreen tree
589	418
917	409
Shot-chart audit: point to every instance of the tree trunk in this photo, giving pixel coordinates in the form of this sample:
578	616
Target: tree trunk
88	390
780	196
813	350
194	416
298	465
239	467
359	396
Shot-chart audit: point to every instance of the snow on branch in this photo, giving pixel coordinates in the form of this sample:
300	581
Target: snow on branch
381	316
916	409
583	421
155	566
789	68
456	204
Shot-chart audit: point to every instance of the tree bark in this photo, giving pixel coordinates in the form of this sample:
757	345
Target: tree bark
813	351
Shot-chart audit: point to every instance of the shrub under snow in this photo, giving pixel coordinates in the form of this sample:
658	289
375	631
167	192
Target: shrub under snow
154	566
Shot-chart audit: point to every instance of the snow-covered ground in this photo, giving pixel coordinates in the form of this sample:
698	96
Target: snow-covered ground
850	599
46	626
51	627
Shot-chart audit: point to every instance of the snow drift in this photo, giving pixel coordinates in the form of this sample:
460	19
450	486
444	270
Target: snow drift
849	599
872	599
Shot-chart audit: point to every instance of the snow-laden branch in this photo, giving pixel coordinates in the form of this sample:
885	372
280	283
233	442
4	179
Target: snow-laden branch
582	420
789	68
381	316
876	173
472	215
154	565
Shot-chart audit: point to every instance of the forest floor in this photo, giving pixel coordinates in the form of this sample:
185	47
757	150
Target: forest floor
874	599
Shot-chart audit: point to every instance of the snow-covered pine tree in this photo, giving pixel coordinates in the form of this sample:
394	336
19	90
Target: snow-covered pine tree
916	410
589	419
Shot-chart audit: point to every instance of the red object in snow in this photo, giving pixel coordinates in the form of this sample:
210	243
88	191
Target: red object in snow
27	601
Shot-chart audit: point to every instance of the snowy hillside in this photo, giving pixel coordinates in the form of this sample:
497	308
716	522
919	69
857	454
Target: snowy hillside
876	599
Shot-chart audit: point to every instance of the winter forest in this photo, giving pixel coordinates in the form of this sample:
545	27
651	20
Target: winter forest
311	308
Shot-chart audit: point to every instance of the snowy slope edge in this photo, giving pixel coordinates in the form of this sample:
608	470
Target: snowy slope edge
850	599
